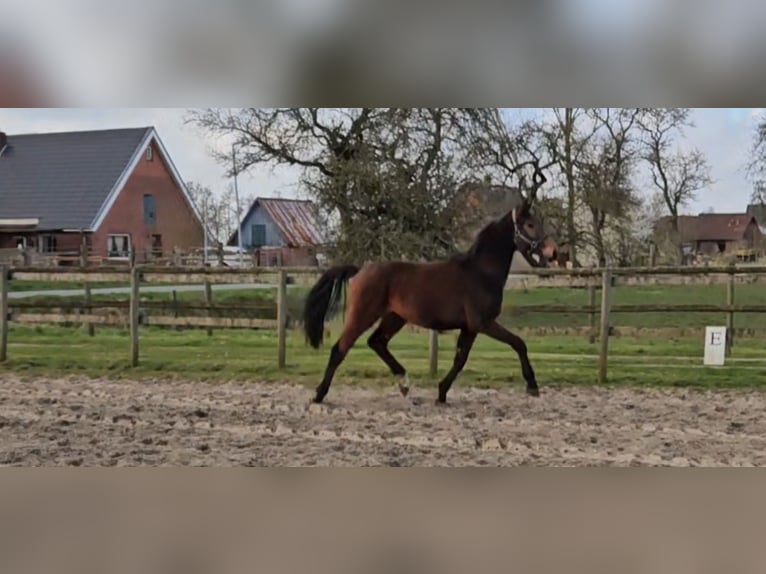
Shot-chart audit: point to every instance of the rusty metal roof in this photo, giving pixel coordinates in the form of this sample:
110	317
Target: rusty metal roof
295	218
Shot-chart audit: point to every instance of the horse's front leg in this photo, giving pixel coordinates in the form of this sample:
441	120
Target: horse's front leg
496	331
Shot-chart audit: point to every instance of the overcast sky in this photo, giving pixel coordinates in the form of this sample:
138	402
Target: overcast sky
723	134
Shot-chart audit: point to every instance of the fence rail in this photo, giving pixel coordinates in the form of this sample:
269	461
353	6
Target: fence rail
135	312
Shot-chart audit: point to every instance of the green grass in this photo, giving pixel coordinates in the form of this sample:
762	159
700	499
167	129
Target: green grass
752	294
251	355
516	300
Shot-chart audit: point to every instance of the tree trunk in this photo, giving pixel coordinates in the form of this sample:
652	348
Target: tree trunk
568	132
677	240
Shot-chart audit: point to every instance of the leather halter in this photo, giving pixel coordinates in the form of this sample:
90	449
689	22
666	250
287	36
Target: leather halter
534	244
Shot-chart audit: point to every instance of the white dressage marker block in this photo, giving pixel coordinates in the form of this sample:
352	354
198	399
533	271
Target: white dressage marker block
715	345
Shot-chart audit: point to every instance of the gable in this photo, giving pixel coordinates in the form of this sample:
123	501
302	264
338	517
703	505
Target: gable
293	219
71	180
758	210
272	235
152	139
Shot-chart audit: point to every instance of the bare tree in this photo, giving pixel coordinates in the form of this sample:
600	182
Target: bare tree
678	175
758	195
219	210
756	166
387	176
305	137
516	155
605	171
569	137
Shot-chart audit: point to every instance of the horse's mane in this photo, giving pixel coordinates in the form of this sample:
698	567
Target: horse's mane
485	237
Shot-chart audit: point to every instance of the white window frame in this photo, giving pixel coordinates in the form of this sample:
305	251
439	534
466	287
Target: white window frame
108	243
149	153
42	239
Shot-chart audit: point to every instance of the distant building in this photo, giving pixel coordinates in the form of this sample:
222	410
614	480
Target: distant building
714	234
116	191
280	232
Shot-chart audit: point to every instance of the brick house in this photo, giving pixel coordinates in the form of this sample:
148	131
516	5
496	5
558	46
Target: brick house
116	191
280	232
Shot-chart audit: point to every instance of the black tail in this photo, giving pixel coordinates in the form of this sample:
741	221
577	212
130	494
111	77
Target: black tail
322	301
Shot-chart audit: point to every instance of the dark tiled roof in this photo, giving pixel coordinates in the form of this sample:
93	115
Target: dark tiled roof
63	178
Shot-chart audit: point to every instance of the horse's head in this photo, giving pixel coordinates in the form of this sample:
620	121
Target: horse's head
530	239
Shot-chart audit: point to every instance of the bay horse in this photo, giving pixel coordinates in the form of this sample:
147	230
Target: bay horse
464	292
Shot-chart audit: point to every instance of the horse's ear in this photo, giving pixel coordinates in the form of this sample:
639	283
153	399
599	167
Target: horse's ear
526	207
521	211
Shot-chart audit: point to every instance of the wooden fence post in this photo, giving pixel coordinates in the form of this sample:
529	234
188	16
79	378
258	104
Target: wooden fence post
89	309
135	282
175	308
281	318
730	314
592	314
3	313
433	352
606	303
209	303
83	249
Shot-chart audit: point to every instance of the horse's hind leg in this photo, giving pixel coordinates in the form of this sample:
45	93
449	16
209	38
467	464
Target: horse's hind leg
358	320
390	325
496	331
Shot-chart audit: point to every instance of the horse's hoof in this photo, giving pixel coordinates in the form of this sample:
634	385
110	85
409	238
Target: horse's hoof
441	403
404	389
533	391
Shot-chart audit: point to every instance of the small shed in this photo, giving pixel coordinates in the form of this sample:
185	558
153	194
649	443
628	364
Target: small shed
280	232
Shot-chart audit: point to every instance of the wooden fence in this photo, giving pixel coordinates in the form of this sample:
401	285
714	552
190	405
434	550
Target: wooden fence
135	313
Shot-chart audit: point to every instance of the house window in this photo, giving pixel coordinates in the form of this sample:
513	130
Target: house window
20	241
47	243
118	246
258	234
149	154
150	215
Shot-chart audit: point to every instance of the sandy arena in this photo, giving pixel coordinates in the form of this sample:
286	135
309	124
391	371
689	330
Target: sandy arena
83	422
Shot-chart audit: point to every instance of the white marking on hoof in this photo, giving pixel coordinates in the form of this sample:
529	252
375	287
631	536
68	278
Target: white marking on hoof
404	385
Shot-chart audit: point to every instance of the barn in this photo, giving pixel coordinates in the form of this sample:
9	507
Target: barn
114	194
280	232
712	234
